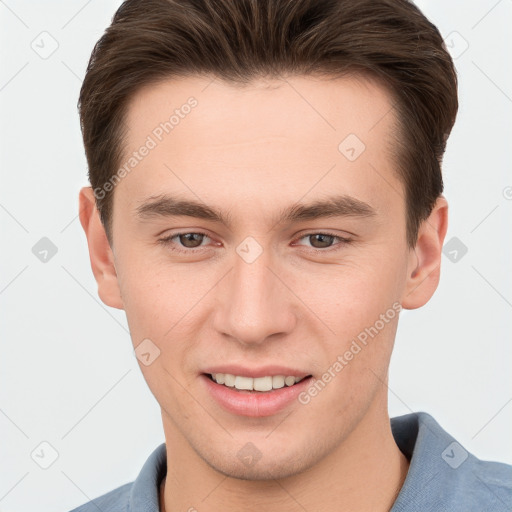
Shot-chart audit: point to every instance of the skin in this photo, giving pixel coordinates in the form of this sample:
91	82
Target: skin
252	151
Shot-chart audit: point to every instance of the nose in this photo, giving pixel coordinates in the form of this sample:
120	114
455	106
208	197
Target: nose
255	303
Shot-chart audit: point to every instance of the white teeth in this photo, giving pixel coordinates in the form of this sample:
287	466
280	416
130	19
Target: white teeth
244	383
229	380
289	381
262	384
277	381
257	384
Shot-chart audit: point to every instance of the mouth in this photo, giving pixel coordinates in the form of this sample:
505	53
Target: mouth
256	385
257	391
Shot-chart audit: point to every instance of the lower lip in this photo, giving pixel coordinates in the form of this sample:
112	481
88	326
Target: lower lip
254	404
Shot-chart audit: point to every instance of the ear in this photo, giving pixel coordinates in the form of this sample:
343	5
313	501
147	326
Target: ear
424	267
100	253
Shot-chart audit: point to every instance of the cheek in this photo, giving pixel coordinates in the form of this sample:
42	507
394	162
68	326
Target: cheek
350	296
163	303
153	291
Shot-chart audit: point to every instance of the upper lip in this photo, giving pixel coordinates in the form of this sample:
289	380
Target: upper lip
262	371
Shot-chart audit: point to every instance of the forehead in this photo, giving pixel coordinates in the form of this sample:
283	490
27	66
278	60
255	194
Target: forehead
297	107
258	142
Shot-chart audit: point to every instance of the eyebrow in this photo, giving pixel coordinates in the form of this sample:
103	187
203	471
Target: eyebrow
334	206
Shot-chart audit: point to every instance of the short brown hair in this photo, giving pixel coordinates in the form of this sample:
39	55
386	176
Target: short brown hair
239	40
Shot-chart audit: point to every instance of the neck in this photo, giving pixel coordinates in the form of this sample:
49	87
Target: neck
364	473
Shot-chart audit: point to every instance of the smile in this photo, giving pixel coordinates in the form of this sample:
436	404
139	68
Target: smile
255	392
259	384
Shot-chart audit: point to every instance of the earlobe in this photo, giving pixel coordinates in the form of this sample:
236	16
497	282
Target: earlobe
424	267
100	252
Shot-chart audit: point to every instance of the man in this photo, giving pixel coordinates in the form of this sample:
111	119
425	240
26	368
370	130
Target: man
266	196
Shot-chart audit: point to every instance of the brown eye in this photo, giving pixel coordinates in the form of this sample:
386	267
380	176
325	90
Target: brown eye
191	240
184	243
324	242
321	241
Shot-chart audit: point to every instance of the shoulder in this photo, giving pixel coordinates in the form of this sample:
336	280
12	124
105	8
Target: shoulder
478	484
141	495
445	476
116	500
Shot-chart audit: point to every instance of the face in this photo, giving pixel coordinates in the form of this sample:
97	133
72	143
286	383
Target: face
257	280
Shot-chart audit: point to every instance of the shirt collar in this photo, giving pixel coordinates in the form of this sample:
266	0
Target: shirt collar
144	494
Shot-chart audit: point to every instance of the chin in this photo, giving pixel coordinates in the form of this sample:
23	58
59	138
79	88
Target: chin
261	471
271	467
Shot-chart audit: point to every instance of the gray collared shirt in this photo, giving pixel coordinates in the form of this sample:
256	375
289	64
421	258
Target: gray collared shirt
442	477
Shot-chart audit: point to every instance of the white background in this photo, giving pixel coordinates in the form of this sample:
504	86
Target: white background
68	372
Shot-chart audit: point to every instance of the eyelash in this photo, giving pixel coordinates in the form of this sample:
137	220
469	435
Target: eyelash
167	241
